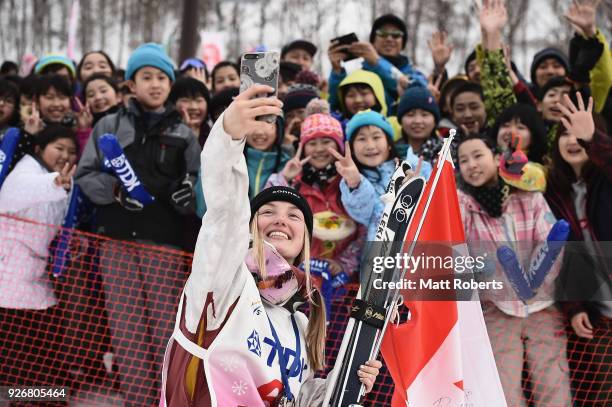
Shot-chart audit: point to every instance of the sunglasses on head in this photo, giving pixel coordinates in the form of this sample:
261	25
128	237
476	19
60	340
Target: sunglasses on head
392	34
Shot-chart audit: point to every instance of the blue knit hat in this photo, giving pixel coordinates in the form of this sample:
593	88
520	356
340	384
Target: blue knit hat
149	54
368	118
51	59
418	97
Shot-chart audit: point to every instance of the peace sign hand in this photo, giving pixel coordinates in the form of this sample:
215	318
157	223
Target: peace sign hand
346	166
64	178
33	124
83	116
293	168
434	86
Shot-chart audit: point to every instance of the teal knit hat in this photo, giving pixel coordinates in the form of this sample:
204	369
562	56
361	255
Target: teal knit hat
149	54
368	118
51	59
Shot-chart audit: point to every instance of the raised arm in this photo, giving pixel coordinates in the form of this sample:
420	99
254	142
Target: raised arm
224	236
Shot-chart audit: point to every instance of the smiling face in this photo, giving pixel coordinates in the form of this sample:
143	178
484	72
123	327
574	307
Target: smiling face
572	152
371	146
150	87
504	135
388	40
53	105
100	96
469	111
225	77
358	98
196	107
57	153
318	150
282	224
263	139
477	164
95	63
547	69
418	124
548	105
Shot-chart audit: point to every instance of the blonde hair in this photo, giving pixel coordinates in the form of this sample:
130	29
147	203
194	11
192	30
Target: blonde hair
316	330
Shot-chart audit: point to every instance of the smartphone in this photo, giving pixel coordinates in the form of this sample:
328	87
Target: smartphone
347	39
261	68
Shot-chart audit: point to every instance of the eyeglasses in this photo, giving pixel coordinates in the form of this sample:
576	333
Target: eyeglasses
7	101
392	34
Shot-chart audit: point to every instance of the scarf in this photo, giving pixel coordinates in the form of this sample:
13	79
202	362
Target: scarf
492	198
311	175
99	115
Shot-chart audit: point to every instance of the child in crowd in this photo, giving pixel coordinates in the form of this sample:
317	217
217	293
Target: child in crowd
225	74
192	98
102	98
265	155
531	332
38	189
419	115
366	167
57	64
164	154
95	62
312	172
580	191
220	101
294	109
254	292
9	106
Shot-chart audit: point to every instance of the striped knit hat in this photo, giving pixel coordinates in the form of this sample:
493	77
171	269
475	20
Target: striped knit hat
321	125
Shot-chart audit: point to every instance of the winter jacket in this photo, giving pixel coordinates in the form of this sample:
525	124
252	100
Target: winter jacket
345	251
591	63
369	79
363	203
162	154
29	192
582	276
222	348
524	224
262	164
496	83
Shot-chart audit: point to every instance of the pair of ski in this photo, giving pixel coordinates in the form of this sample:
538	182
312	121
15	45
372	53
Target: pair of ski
372	307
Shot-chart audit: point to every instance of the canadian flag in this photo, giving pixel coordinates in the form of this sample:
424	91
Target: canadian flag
442	355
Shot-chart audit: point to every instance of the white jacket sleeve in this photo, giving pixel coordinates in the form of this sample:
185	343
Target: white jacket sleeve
27	185
218	263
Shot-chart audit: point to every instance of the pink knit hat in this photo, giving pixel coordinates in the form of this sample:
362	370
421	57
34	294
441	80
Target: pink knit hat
321	125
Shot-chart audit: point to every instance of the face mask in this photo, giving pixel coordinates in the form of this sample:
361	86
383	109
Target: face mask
281	282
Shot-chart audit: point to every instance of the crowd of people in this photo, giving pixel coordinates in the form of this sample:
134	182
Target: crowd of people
527	152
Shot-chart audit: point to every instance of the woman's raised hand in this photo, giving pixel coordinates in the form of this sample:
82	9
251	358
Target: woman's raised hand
239	118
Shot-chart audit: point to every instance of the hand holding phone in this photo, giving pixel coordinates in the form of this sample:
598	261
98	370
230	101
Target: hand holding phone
260	68
342	43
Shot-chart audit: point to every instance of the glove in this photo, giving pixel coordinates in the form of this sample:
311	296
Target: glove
127	201
184	196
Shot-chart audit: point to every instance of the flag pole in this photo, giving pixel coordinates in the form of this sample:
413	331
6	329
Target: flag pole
439	166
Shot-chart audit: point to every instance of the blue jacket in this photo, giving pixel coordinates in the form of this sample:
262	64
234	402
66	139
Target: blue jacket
363	204
262	164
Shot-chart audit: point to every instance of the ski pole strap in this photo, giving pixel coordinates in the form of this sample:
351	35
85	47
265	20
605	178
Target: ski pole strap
371	314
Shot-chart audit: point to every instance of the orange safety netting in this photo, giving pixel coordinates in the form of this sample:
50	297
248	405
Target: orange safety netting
101	326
